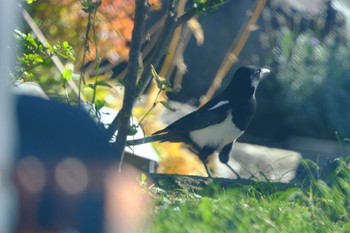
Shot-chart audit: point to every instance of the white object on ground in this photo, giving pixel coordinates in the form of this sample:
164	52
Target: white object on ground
144	150
263	162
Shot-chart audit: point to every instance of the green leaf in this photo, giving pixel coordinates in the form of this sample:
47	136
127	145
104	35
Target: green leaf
154	72
92	86
83	3
168	89
156	77
167	106
31	40
103	83
27	76
162	83
72	57
50	49
67	74
99	104
65	44
132	130
37	60
166	83
166	86
143	177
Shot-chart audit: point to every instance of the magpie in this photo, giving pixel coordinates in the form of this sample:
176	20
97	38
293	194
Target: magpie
217	124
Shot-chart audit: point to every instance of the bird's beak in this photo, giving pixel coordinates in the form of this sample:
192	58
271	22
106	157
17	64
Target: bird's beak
264	73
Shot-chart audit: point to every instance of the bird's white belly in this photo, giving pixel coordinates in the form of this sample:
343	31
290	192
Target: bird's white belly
217	135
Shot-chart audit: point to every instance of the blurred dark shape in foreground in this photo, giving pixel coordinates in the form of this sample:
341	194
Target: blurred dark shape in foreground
64	172
52	130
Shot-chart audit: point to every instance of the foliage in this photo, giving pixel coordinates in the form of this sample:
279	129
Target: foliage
163	85
207	5
316	206
314	82
35	54
66	20
30	1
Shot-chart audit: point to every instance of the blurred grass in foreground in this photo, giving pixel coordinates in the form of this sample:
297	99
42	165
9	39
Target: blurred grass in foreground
312	205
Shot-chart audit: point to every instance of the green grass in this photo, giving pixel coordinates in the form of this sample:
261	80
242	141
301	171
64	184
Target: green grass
313	205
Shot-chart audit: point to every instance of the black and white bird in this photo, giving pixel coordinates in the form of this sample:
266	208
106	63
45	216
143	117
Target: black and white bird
217	124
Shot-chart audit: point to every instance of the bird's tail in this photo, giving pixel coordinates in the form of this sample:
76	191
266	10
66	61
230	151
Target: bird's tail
153	138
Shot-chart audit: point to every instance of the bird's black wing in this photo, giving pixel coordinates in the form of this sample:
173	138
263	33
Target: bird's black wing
214	112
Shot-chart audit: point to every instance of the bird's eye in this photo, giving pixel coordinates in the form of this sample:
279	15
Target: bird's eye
257	72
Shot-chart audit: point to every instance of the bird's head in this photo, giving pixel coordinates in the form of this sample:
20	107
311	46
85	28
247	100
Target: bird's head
246	80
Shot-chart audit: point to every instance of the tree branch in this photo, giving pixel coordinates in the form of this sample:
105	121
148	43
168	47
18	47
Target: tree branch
160	48
123	118
170	24
154	60
185	17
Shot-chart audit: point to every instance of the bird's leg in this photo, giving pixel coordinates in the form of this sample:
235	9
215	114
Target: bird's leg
207	169
224	157
233	170
203	156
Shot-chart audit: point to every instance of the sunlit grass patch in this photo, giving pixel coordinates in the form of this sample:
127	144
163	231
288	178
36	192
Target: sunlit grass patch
316	205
